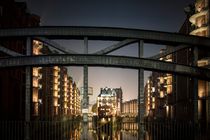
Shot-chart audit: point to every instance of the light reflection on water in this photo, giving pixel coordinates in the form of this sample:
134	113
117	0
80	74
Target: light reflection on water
128	131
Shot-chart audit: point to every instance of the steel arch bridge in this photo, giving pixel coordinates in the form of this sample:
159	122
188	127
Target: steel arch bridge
100	58
125	36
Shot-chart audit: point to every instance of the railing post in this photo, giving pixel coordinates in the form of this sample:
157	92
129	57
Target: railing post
28	91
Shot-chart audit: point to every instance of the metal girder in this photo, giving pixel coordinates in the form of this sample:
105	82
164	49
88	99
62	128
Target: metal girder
28	83
140	85
55	45
109	61
116	46
156	37
178	48
9	52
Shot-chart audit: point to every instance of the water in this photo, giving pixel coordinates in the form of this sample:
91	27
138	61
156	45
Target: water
129	131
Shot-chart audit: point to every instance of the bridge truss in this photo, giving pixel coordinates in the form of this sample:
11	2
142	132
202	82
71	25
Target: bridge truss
100	58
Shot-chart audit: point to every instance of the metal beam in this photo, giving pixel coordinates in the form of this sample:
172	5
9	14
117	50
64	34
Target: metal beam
55	45
28	91
140	88
116	46
108	61
9	52
195	88
101	33
167	52
85	84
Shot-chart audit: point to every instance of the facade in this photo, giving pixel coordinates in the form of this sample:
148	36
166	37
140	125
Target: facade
119	99
200	22
55	95
130	108
52	88
200	18
76	101
109	102
158	91
177	97
194	105
12	81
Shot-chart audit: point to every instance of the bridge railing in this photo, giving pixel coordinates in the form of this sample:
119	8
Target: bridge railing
176	131
39	130
63	130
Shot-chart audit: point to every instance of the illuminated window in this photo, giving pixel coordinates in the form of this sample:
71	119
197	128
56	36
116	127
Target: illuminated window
161	80
35	71
167	110
65	90
55	73
35	82
35	51
153	89
36	109
55	102
35	96
161	94
55	93
169	89
153	99
153	105
202	88
55	80
169	80
55	87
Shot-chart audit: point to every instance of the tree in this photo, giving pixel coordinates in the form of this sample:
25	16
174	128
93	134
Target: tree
94	108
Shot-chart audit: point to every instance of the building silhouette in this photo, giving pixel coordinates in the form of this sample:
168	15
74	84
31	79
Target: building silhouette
130	108
55	94
109	102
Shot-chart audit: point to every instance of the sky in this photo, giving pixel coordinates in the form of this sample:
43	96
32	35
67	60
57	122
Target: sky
161	15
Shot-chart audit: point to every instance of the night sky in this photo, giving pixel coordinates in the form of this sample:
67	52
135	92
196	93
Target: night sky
162	15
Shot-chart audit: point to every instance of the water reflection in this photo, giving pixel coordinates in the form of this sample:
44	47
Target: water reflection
110	131
87	131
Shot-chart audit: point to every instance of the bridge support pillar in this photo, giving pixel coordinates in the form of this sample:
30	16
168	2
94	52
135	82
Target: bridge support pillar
195	82
28	92
140	91
85	102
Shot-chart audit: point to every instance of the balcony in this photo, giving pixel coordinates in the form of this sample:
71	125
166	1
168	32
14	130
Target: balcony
195	16
35	72
55	93
35	97
200	5
161	94
56	68
203	62
169	89
199	30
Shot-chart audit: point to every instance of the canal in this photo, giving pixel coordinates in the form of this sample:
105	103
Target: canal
129	131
